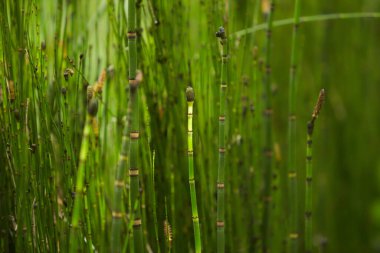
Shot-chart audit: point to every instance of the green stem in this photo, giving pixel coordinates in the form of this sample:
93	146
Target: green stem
309	175
308	195
222	116
134	131
292	170
80	189
119	184
267	168
193	195
289	21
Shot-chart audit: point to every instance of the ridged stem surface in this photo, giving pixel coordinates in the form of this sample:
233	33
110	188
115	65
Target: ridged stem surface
292	169
80	192
193	195
308	195
267	162
134	192
221	163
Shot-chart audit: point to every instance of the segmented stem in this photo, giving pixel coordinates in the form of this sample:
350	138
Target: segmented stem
222	118
190	153
292	170
119	184
308	195
80	191
309	175
134	129
267	168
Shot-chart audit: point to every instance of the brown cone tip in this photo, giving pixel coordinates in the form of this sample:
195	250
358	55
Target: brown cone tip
93	107
190	94
318	106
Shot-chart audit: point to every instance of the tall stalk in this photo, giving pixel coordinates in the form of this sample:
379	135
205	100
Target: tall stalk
81	188
119	184
292	170
221	34
134	129
309	174
193	196
267	163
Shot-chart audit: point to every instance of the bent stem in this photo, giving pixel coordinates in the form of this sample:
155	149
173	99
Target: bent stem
306	19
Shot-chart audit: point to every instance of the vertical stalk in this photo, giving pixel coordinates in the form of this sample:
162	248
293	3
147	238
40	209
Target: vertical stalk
134	129
309	175
267	163
80	188
308	193
117	212
221	34
193	196
292	170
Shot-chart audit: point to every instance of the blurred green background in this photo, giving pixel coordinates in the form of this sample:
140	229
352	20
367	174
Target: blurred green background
40	39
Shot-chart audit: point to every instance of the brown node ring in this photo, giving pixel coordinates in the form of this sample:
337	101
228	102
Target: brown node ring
220	185
131	35
119	183
117	215
133	172
134	135
137	222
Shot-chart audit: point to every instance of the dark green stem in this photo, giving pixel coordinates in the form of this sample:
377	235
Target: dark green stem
222	117
134	130
292	170
309	175
267	162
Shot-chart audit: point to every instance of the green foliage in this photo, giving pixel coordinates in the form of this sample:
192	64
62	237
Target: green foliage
63	178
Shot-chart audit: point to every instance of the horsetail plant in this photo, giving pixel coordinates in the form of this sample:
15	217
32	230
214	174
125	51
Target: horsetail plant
134	82
81	186
221	34
119	184
267	163
309	174
193	196
292	170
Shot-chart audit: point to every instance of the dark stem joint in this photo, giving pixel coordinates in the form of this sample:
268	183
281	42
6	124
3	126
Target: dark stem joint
134	135
268	152
137	223
220	224
131	35
268	112
133	172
